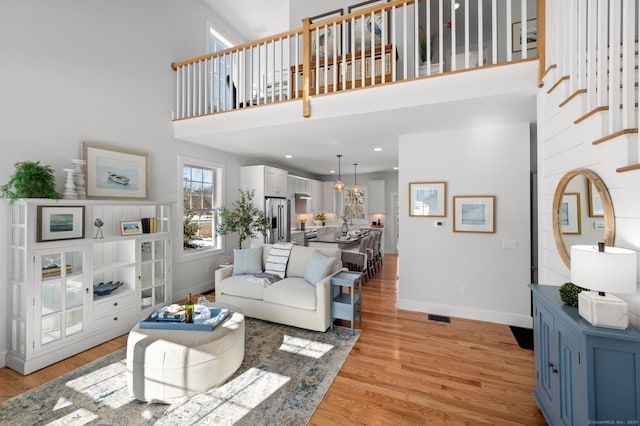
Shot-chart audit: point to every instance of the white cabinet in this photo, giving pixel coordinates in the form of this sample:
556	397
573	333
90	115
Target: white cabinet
332	201
316	196
266	181
53	310
376	197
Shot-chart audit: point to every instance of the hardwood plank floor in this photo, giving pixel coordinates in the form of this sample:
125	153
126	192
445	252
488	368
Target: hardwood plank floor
404	369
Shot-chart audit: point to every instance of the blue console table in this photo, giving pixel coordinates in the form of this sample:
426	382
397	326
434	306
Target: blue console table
584	374
344	305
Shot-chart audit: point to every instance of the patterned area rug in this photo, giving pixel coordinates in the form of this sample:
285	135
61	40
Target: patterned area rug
285	373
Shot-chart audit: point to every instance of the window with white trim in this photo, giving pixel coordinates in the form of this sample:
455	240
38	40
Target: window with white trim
201	194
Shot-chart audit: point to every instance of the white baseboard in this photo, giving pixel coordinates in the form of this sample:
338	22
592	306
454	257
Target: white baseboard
465	312
197	289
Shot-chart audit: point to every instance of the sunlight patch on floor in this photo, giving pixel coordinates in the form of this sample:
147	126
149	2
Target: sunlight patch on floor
107	385
296	345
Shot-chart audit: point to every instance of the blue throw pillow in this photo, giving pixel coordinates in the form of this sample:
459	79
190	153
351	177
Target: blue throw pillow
319	266
247	261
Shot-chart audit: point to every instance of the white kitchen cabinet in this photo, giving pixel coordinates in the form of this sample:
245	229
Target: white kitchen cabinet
376	199
265	181
332	201
317	204
53	311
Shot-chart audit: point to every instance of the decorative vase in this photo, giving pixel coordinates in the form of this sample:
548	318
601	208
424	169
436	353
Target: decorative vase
345	228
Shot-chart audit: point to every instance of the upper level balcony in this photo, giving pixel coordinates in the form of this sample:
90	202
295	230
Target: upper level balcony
398	67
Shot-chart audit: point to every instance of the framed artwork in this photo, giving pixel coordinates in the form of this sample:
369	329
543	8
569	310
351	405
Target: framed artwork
130	227
115	173
376	25
474	213
595	202
570	213
60	223
532	35
428	199
325	36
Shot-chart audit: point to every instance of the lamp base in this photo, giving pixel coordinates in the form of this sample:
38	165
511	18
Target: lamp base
603	311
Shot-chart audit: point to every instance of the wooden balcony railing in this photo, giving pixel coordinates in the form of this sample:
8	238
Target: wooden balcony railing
395	41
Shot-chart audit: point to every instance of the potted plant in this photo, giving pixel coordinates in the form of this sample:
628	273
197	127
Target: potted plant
30	180
245	219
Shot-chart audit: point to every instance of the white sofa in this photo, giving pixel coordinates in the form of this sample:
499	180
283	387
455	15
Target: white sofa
293	300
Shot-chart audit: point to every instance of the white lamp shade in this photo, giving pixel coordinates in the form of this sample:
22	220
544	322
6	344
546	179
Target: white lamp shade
611	271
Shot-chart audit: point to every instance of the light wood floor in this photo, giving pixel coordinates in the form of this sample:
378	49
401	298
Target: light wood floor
403	370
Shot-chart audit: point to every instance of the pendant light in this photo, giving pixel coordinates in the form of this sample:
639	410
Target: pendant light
355	188
339	186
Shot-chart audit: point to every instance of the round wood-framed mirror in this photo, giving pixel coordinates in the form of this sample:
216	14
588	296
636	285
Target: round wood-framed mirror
582	212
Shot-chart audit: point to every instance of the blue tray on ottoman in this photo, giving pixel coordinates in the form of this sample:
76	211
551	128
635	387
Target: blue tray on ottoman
157	320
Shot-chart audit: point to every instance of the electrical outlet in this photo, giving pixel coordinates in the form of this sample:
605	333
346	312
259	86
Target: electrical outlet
464	291
438	223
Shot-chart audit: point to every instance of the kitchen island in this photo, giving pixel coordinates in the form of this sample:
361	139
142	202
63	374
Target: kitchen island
335	239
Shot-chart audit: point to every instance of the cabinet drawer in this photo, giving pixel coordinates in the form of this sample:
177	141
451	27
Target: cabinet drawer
113	305
114	320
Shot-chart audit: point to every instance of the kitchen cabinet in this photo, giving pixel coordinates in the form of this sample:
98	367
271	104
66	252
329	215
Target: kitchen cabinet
266	181
53	310
584	374
376	198
332	201
316	196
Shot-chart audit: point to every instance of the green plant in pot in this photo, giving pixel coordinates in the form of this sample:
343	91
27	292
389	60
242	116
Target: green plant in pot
30	180
245	219
569	293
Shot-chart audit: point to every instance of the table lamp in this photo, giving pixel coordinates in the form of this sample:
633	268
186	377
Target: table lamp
604	270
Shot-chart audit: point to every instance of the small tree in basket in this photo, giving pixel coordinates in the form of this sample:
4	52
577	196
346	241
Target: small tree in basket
245	219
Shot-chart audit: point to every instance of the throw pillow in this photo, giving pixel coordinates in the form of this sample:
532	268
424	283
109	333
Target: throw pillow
278	258
247	261
319	266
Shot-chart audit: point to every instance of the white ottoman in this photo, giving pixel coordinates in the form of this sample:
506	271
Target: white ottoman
169	366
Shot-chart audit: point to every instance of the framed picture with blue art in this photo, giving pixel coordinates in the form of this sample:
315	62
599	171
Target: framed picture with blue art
60	223
363	27
115	173
570	220
324	38
474	213
428	199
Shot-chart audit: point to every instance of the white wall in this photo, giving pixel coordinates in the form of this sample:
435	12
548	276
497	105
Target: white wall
99	71
564	146
436	263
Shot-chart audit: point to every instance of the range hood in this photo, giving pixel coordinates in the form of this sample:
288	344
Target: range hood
302	196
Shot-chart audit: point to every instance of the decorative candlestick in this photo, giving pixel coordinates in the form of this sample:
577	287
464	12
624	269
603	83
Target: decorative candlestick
79	175
69	186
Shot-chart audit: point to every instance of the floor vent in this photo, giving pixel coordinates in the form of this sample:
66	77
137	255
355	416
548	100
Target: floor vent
439	318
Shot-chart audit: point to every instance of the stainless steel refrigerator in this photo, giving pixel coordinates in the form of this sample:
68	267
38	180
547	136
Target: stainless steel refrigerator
278	213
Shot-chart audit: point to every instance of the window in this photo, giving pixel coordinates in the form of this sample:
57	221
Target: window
221	95
201	189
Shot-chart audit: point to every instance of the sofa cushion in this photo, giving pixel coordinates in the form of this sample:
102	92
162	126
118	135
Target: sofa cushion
319	266
241	286
294	292
300	256
247	261
277	259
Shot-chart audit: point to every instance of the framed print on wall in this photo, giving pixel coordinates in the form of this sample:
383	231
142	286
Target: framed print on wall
325	36
532	35
380	23
474	213
428	199
60	223
570	213
595	202
113	173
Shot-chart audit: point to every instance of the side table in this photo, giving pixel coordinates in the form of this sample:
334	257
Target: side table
345	304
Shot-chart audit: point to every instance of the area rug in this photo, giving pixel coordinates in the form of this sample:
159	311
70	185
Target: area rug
285	373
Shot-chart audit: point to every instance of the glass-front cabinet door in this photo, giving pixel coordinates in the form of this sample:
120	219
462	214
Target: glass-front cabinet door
60	296
153	272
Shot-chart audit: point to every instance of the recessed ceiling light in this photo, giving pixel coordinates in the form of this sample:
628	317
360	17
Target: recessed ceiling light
332	171
396	168
378	149
288	156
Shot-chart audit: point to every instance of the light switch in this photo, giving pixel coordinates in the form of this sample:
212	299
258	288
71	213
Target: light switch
438	223
510	244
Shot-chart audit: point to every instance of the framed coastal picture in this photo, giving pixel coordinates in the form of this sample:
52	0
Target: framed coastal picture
323	38
60	223
361	29
112	173
474	213
532	35
428	199
595	202
131	227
